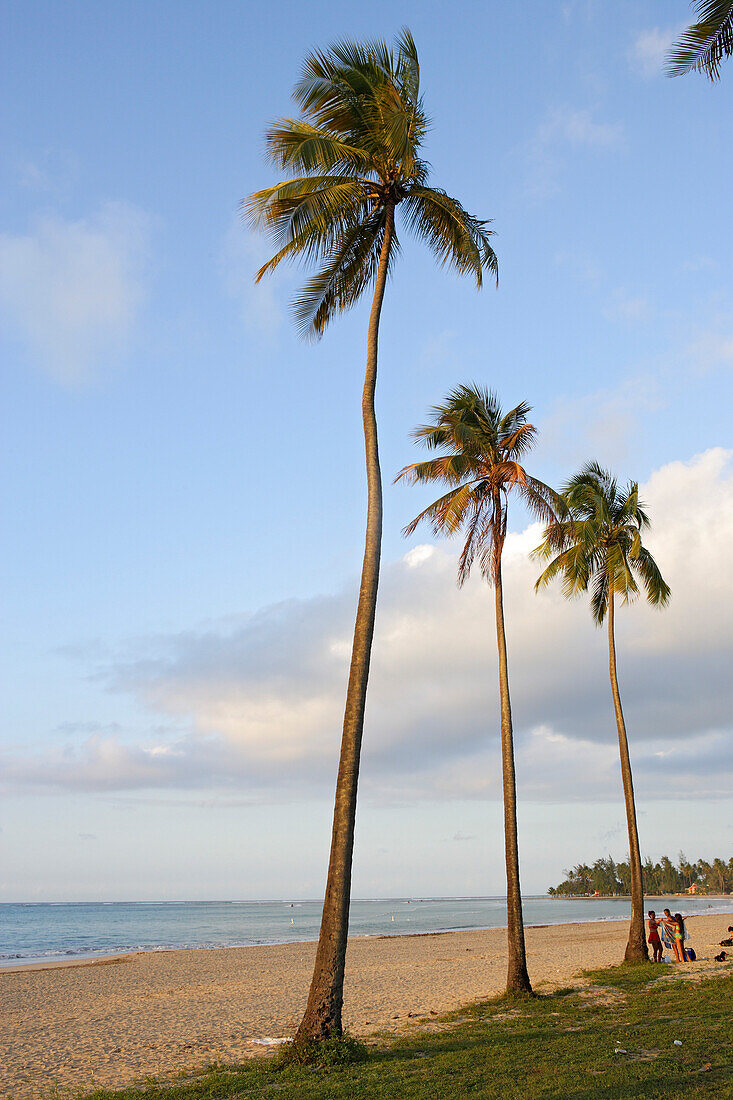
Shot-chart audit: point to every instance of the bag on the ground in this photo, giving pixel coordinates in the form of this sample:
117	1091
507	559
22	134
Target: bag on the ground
691	953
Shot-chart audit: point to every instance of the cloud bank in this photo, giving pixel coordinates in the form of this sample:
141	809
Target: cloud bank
256	704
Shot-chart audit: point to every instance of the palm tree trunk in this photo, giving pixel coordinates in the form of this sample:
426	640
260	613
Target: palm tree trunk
322	1017
636	948
517	977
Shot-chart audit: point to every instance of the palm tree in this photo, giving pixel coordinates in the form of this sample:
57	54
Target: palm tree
352	159
480	462
704	44
596	540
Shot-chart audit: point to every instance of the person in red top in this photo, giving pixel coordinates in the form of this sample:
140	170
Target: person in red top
654	941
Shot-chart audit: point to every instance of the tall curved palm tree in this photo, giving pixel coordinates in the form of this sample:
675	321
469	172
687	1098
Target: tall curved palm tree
703	45
595	542
353	162
481	448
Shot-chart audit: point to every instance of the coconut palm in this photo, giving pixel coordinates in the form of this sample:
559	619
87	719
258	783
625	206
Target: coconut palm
595	542
353	162
481	447
703	45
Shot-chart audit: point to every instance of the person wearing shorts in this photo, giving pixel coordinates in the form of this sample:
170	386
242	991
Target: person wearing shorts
654	941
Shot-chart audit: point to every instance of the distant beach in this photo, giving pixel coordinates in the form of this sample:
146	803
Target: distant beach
111	1022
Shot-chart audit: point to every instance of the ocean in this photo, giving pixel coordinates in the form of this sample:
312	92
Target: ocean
38	932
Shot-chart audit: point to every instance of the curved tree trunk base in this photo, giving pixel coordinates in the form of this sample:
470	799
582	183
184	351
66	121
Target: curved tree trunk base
316	1028
636	953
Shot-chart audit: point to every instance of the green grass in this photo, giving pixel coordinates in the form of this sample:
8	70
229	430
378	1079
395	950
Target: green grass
559	1045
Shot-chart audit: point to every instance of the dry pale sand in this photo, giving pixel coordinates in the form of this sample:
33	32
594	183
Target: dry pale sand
111	1023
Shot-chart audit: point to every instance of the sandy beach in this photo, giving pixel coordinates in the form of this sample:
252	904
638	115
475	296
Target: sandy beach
111	1022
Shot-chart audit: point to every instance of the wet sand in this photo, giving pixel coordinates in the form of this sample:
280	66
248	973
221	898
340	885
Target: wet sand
111	1022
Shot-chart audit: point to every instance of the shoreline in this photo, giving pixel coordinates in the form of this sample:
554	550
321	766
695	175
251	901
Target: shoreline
61	962
110	1022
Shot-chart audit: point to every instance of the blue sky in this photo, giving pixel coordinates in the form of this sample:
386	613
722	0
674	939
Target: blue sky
183	489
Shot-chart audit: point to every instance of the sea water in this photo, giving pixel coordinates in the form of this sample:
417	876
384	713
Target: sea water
52	931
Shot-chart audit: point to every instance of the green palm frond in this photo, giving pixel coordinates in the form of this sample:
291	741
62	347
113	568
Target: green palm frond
480	444
350	268
704	44
301	147
457	239
287	209
658	591
599	597
596	541
355	151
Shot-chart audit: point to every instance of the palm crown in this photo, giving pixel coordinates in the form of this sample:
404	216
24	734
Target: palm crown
484	446
703	45
355	157
596	540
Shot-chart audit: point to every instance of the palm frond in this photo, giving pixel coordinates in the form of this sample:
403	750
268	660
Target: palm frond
519	441
310	242
595	540
302	147
446	514
351	266
408	64
481	443
287	208
354	152
569	565
481	530
658	591
539	499
457	239
599	597
704	44
448	468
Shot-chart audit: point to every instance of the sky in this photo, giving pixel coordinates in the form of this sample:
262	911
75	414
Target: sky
183	491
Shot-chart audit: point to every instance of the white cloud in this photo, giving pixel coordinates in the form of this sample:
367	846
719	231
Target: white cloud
647	52
262	697
72	290
627	308
711	350
564	129
579	128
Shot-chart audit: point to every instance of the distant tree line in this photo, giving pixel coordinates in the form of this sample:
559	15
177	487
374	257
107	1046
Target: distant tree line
608	877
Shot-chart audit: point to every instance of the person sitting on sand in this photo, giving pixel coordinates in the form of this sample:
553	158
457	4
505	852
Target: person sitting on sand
729	941
654	941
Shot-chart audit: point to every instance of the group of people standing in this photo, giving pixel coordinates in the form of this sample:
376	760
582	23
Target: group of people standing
670	932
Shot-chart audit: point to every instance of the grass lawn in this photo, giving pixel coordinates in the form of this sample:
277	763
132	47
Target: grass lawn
612	1039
